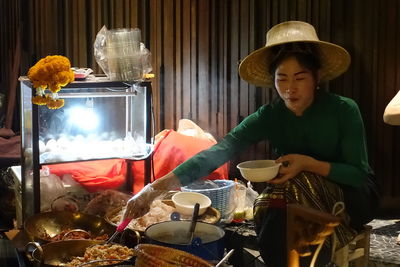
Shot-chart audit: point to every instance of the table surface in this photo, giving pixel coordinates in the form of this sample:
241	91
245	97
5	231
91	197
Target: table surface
242	237
9	255
239	236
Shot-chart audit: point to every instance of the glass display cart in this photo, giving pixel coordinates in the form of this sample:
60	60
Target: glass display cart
101	119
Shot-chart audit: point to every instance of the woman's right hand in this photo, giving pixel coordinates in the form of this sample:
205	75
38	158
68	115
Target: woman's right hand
139	204
293	164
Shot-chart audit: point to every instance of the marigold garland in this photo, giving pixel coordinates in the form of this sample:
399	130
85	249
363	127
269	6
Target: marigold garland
52	73
55	103
39	100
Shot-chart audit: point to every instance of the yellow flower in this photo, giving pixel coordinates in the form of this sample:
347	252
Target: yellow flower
39	100
55	103
51	72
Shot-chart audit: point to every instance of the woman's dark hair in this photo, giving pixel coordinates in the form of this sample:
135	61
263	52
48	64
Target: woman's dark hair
306	54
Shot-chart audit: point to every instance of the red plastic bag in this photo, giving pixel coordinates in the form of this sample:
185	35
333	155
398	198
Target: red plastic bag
94	175
173	148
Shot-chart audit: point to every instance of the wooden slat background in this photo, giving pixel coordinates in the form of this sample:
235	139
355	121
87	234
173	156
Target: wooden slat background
196	46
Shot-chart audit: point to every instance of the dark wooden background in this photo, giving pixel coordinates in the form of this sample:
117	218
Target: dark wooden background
196	46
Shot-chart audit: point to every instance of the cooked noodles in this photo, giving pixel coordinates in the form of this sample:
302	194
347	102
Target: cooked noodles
103	252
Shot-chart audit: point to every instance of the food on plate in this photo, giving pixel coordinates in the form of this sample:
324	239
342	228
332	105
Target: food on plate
103	252
206	217
159	212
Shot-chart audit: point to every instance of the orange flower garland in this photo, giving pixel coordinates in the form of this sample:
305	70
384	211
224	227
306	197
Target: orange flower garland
52	73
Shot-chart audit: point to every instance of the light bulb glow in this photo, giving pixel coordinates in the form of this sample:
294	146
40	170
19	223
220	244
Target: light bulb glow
84	118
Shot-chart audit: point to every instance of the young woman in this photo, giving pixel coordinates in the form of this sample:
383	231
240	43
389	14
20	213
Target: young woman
318	135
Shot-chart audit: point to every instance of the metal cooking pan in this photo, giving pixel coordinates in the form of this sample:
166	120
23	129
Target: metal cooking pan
55	222
61	252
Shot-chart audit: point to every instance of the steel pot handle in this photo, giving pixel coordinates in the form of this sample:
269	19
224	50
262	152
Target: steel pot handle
227	256
29	253
138	236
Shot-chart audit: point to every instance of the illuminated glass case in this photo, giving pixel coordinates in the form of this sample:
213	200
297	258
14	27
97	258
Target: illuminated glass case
101	119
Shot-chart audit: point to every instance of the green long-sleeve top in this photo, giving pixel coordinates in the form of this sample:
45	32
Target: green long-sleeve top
331	129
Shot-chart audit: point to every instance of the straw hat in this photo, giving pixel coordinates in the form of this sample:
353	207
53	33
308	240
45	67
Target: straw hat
254	68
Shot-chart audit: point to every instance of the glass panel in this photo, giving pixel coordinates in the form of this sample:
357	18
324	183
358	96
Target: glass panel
100	120
26	143
95	123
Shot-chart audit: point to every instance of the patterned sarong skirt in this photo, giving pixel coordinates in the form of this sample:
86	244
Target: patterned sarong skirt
306	189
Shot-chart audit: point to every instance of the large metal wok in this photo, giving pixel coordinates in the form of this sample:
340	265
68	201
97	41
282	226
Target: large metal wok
54	222
61	252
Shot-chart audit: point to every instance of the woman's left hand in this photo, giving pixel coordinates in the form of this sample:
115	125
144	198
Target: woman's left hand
292	164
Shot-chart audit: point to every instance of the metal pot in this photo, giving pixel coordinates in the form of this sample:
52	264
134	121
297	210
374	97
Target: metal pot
54	222
208	242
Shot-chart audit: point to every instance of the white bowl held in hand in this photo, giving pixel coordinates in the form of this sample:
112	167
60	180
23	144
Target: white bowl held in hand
259	170
184	202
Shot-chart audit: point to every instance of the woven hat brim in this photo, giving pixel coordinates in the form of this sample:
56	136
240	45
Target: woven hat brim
335	60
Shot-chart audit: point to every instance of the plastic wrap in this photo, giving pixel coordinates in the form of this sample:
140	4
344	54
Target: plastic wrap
51	188
121	55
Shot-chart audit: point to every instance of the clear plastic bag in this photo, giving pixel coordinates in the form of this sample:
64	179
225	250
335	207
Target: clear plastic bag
240	202
251	196
51	188
121	55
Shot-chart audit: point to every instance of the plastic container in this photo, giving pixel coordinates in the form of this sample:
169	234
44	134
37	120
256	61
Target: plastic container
240	212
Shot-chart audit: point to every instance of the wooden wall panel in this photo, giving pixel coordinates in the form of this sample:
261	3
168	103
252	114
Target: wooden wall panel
221	82
69	27
10	46
193	100
233	95
204	96
185	60
197	44
168	64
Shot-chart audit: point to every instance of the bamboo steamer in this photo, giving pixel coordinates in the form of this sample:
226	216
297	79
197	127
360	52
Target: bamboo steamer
148	255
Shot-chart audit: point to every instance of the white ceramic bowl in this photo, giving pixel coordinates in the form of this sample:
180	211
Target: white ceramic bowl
259	170
184	202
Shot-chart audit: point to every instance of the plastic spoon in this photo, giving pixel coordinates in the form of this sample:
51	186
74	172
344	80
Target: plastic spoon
193	222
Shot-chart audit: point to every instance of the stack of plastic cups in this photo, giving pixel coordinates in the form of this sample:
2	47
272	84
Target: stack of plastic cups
123	54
